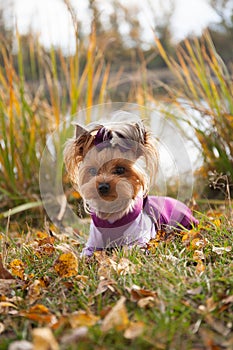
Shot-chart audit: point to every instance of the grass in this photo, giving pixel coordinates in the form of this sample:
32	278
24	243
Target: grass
183	299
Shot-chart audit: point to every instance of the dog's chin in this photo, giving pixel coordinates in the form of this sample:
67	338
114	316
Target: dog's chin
111	210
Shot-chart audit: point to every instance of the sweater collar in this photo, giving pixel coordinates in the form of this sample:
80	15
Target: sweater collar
125	220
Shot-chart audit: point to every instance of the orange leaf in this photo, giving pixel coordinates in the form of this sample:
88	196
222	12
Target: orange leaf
42	234
66	265
39	313
138	293
200	267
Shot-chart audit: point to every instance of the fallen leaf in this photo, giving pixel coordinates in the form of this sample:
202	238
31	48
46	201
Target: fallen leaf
21	345
100	256
138	293
198	255
82	318
17	268
152	245
146	302
117	317
66	265
105	285
228	300
42	234
123	267
217	325
39	313
134	330
74	336
45	246
35	289
221	250
2	327
6	285
4	274
7	307
208	339
43	339
217	222
200	267
4	304
198	243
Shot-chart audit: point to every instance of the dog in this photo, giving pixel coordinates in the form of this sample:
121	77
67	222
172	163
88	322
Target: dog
113	166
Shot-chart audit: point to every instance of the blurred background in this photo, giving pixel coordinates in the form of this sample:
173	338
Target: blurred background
58	57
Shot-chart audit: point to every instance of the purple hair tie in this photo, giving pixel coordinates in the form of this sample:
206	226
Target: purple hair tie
103	136
103	139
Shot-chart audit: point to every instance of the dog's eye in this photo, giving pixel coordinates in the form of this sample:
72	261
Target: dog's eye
93	171
120	170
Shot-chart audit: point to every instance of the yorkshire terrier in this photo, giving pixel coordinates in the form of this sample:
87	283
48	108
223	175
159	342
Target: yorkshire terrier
113	165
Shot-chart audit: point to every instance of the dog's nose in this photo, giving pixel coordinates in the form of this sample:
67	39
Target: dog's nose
103	188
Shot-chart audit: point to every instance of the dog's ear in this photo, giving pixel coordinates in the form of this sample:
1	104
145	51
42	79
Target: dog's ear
79	130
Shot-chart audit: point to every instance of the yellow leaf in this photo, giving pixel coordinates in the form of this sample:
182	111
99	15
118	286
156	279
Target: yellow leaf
43	339
4	304
117	317
17	268
152	245
200	267
42	234
82	318
217	222
66	265
134	330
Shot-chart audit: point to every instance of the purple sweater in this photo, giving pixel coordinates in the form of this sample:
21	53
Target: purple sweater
140	225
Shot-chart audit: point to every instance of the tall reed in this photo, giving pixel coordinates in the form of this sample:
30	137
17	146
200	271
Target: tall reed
36	100
204	96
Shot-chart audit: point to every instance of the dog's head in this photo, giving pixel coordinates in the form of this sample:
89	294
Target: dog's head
110	165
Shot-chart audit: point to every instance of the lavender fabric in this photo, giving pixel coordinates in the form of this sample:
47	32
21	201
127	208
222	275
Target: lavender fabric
140	225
